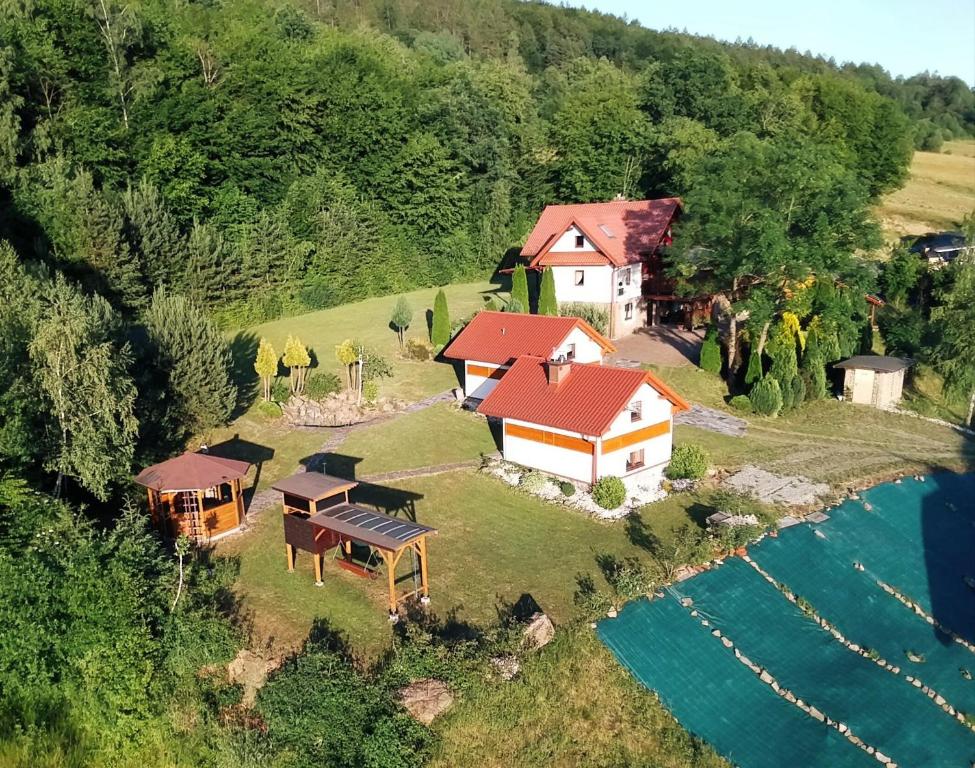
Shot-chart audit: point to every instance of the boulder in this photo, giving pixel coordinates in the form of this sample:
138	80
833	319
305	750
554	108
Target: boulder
507	666
426	698
539	631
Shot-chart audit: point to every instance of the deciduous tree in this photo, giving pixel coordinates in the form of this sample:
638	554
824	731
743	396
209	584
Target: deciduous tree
266	366
296	358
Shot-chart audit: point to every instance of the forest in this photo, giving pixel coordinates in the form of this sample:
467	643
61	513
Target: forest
173	171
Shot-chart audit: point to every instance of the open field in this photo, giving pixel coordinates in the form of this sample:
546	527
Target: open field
938	194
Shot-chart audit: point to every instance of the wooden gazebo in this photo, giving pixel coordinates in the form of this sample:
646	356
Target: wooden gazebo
197	494
318	517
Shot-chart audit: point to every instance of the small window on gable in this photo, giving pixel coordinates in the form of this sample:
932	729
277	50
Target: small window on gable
570	351
580	241
636	410
634	460
626	276
580	276
628	310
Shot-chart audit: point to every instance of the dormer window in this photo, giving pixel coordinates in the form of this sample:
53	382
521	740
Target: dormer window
636	410
580	241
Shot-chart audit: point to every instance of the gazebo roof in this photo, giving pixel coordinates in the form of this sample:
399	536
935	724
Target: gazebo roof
313	485
191	472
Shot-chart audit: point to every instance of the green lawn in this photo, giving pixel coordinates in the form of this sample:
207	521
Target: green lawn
368	321
439	435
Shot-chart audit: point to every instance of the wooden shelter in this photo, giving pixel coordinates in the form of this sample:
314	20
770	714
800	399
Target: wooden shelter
319	517
196	494
874	380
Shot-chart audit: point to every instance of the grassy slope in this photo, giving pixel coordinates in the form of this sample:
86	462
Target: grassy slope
938	194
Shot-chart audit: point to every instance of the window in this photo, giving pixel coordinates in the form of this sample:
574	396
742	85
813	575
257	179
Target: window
626	276
636	410
635	460
570	351
580	241
580	276
619	288
628	310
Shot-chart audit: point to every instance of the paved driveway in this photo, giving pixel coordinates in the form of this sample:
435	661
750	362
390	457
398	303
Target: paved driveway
660	345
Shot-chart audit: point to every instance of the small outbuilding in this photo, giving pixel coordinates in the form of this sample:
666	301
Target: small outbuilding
875	380
196	494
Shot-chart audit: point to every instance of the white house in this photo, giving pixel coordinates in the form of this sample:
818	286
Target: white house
583	421
492	341
610	254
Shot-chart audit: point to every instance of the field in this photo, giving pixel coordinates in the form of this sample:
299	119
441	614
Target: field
938	194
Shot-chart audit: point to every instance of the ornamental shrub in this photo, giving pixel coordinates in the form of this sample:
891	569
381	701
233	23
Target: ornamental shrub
798	387
370	390
519	288
418	349
596	316
711	353
688	462
440	330
786	390
754	372
322	384
567	488
766	397
741	403
609	492
280	390
268	409
816	384
533	482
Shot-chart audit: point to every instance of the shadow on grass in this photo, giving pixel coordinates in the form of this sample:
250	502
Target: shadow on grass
244	450
243	351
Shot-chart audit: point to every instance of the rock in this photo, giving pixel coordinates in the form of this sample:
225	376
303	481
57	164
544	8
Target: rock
765	677
334	411
426	698
813	712
726	642
716	632
507	666
686	602
250	670
539	632
789	696
842	727
939	700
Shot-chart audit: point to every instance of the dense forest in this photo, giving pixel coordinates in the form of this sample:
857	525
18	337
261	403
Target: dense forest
172	169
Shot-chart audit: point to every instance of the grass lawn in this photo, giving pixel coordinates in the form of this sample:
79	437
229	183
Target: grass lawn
368	321
439	435
938	193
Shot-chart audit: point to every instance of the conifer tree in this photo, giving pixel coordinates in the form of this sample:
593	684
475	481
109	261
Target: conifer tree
711	352
547	303
519	288
296	358
401	318
440	332
266	366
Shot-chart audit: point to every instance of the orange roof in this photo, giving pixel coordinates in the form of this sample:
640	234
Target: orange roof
191	472
622	230
502	337
587	401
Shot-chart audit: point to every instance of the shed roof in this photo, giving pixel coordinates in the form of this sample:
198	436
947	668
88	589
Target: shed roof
313	485
191	472
373	528
502	337
880	363
622	230
587	401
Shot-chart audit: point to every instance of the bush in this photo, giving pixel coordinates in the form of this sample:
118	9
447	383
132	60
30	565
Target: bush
321	385
786	390
816	387
268	409
567	488
754	372
711	353
596	316
533	482
609	492
766	397
370	390
375	366
418	349
280	390
798	387
629	578
688	462
741	403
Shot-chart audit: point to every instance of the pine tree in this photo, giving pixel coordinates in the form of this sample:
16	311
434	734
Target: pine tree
440	332
296	358
547	303
266	366
153	234
401	318
519	288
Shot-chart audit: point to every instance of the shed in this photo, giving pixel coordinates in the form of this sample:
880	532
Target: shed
318	517
196	494
875	380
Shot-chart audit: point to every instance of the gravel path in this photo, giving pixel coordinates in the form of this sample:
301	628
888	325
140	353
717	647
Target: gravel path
710	419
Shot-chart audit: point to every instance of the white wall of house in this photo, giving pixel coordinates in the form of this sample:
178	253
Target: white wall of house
553	459
595	289
586	349
656	450
568	242
478	385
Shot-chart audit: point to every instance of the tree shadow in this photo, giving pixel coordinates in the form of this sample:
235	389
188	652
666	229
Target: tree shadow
243	351
244	450
641	536
517	612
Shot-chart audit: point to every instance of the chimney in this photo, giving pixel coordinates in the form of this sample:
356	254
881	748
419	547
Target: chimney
557	369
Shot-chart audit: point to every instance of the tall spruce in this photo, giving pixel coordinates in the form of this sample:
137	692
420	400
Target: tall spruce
519	288
440	329
547	303
954	352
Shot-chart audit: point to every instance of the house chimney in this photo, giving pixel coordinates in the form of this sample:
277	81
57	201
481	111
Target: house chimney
557	369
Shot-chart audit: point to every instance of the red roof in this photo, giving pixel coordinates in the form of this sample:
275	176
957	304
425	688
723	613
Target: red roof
587	401
622	230
191	471
502	337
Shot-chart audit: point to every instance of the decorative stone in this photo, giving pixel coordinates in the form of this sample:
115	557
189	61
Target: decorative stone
539	632
425	698
813	712
726	642
765	677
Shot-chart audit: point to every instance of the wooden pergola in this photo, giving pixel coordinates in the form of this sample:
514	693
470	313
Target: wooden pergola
196	494
319	517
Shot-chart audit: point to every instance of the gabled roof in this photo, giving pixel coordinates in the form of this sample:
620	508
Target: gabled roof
191	472
502	337
313	485
587	401
880	363
622	230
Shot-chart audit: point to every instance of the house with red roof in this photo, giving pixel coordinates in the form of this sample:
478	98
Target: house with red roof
611	254
584	421
491	342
